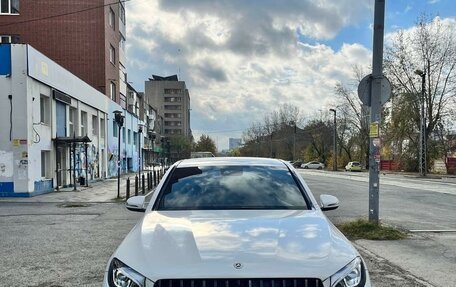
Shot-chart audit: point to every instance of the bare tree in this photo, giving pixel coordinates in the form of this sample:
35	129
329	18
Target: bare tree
431	48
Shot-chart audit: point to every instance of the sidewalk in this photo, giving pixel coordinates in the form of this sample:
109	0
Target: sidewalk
98	191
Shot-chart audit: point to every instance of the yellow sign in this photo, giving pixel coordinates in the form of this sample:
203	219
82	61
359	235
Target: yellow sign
16	142
44	68
373	130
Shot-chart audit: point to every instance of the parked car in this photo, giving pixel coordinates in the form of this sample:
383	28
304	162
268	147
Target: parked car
314	165
238	222
297	164
353	166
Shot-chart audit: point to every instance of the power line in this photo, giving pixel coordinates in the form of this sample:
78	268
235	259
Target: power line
63	14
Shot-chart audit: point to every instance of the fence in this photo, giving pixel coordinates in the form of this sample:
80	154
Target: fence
148	181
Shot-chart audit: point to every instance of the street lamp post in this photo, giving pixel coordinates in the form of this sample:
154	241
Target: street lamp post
294	140
423	143
119	119
335	141
151	140
140	130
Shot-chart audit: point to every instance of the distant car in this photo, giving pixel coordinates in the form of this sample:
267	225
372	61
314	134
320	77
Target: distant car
297	164
313	165
234	222
353	166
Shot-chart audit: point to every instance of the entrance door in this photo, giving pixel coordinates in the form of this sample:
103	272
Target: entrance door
61	166
60	113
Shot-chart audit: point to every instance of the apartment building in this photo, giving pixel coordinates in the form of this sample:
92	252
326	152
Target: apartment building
171	99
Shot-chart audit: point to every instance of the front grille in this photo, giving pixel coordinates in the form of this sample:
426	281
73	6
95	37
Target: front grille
254	282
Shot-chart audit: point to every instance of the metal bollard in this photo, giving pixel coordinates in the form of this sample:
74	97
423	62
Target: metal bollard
143	186
136	185
128	187
150	180
155	178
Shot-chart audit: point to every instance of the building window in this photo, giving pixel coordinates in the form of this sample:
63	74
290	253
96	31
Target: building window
94	125
8	39
129	136
169	107
112	54
135	138
115	129
173	91
9	6
102	128
173	115
173	99
83	123
112	89
5	39
44	110
173	123
112	19
45	163
123	135
72	121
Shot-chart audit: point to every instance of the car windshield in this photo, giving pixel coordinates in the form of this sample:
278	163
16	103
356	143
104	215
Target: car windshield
355	163
231	187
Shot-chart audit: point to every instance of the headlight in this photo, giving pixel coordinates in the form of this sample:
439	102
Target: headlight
120	275
352	275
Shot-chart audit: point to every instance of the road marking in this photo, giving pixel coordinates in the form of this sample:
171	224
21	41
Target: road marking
440	187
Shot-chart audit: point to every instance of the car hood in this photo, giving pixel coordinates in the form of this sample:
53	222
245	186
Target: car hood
202	244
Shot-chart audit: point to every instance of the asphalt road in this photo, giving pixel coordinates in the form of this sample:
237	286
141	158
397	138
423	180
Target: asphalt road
49	244
426	204
410	203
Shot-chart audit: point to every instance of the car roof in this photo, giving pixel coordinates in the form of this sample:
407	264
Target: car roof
225	161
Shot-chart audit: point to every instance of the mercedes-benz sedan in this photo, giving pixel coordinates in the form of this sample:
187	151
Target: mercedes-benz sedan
234	222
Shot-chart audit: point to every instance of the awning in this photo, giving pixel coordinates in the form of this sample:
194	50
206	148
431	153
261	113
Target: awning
84	139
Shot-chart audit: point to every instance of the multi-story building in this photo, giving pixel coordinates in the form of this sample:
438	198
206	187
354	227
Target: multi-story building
234	143
171	99
86	37
52	125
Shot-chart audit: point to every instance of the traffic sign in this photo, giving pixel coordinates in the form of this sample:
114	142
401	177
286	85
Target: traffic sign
364	90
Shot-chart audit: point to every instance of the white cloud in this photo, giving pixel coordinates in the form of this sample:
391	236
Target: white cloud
240	59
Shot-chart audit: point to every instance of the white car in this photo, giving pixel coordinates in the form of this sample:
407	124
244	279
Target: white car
313	165
234	222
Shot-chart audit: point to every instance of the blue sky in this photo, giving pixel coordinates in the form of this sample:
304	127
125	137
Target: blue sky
242	59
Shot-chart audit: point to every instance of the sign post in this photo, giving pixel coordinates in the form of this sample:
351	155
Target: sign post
374	90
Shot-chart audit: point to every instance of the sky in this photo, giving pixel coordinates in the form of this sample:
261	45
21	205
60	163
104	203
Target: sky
242	59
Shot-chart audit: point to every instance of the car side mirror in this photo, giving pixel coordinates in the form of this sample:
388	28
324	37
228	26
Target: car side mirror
136	203
328	202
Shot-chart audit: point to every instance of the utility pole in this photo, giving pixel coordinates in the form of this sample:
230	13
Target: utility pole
335	140
376	90
423	144
140	130
119	119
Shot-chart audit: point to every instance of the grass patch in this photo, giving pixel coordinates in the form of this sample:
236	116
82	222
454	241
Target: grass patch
363	229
